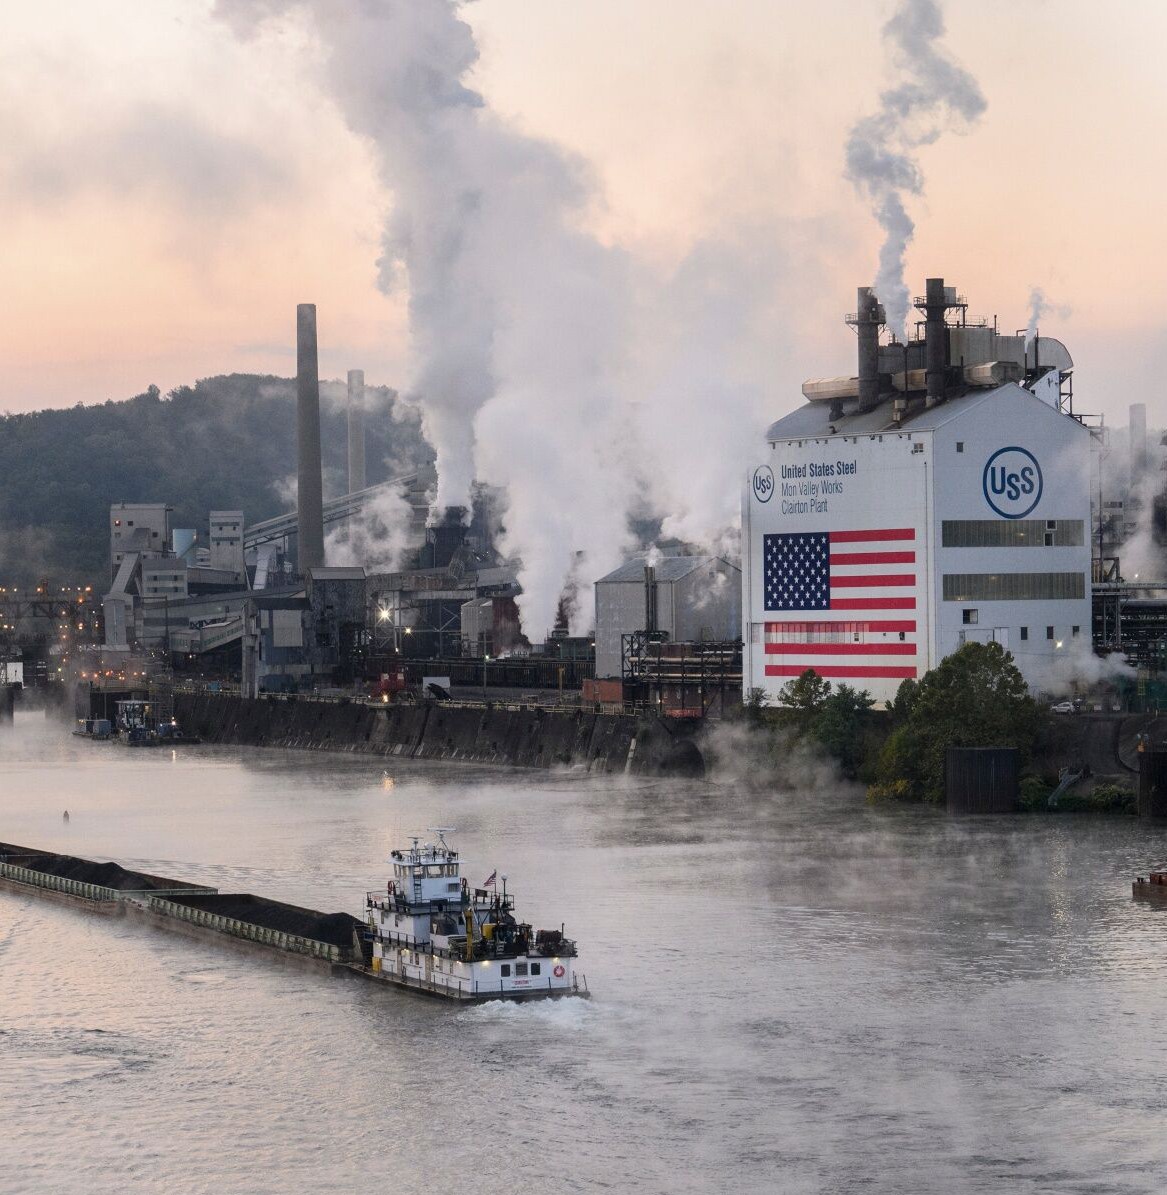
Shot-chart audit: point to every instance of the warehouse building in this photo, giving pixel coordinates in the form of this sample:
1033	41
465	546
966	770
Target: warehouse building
939	497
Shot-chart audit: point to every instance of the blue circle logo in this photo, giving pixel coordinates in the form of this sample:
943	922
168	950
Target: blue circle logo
1012	482
763	483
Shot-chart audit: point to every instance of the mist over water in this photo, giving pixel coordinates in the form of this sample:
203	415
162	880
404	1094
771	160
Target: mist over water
792	992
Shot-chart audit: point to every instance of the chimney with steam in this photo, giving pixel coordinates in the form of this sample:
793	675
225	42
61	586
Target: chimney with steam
1138	433
356	430
935	341
868	319
309	489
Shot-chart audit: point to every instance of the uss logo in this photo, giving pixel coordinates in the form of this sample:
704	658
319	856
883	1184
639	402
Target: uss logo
1012	482
763	483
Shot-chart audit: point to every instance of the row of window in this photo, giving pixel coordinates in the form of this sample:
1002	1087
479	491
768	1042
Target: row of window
521	969
1012	533
1013	587
972	617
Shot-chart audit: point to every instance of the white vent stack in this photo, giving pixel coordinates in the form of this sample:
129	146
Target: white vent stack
356	430
309	487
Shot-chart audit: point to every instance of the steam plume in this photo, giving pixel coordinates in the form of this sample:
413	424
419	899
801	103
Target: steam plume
1039	306
880	154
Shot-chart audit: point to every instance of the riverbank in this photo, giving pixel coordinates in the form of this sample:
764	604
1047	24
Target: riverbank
510	735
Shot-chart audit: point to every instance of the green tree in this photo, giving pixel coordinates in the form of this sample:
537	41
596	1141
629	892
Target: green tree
841	726
803	698
975	698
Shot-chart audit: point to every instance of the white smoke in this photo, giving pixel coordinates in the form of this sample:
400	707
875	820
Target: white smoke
545	362
379	538
1071	666
881	150
1040	306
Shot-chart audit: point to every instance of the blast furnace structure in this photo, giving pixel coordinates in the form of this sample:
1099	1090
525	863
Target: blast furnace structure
940	497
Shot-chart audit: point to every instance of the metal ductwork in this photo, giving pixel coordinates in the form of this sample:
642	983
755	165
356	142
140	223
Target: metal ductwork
309	488
935	341
356	430
868	319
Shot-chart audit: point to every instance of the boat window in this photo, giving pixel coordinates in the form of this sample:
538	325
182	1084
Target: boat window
434	870
536	968
520	968
505	969
452	887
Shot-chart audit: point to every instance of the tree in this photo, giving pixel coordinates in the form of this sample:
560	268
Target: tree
975	698
804	696
841	726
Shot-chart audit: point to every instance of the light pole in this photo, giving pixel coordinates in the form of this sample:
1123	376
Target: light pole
485	658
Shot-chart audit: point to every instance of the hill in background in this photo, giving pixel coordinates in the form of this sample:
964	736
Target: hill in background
226	443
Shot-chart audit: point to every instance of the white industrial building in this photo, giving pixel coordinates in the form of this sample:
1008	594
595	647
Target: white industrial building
688	599
896	516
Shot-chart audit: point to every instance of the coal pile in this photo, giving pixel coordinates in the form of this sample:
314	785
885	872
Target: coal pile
104	875
336	929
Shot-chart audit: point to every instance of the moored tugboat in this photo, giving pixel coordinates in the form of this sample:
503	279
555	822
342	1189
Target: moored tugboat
430	931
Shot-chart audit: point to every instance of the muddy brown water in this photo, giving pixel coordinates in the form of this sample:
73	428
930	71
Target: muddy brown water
792	992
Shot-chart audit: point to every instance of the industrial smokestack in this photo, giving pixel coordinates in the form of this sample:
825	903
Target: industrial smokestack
935	341
651	616
867	321
309	489
356	430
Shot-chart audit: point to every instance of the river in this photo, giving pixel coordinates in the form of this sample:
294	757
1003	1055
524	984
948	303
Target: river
792	992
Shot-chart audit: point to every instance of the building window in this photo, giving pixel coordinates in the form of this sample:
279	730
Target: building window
506	970
968	617
1049	632
1024	634
1074	631
961	637
1012	533
960	446
520	968
1013	587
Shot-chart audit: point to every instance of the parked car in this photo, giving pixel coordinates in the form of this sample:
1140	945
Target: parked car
1063	707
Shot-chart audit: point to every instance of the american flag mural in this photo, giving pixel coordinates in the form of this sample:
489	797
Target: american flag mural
843	603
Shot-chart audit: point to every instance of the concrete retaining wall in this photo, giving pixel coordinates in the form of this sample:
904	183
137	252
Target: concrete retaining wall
533	738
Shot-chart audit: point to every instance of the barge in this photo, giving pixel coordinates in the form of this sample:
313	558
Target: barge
428	934
1151	887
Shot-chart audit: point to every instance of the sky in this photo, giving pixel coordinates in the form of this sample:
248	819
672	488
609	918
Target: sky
599	246
168	194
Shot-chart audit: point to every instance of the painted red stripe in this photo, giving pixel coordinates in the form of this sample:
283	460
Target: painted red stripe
873	579
866	537
829	671
873	557
840	649
907	624
887	603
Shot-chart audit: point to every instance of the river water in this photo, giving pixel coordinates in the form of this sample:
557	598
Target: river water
792	992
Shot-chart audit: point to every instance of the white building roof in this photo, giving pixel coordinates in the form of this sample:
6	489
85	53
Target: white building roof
813	420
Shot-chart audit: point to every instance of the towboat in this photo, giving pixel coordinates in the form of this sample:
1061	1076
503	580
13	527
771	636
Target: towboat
430	930
1151	887
99	730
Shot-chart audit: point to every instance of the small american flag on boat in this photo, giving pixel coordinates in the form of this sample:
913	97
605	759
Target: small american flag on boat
489	881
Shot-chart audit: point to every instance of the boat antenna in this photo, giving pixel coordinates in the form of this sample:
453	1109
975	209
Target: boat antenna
441	832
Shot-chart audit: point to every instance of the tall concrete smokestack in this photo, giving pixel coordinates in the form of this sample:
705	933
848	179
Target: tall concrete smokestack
356	430
867	321
935	341
309	489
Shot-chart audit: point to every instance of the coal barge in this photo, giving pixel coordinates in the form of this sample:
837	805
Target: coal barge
332	943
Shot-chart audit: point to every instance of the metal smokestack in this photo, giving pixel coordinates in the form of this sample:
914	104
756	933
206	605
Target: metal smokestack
309	489
935	341
1138	433
356	430
650	600
867	322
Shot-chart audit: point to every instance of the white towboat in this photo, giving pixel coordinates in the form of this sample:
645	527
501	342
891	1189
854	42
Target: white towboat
431	931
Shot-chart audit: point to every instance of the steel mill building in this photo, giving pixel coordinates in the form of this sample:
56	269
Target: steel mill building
941	496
